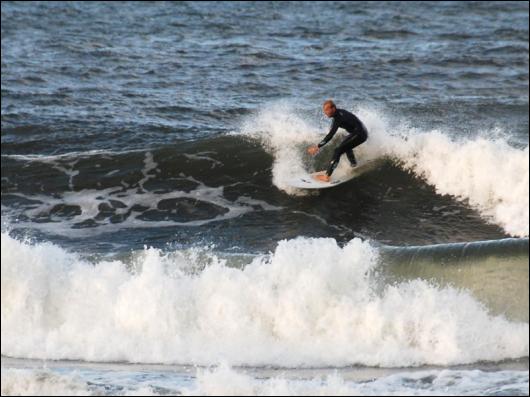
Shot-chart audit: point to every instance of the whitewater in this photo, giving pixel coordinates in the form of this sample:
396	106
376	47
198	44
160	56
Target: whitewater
309	303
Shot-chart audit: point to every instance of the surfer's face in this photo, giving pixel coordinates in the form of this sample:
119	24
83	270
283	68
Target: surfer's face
329	110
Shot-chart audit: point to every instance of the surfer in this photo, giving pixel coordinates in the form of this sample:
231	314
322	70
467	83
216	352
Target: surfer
357	135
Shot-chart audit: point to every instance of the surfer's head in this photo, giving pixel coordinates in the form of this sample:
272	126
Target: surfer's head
329	108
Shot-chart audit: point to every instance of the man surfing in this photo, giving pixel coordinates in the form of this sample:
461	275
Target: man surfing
357	135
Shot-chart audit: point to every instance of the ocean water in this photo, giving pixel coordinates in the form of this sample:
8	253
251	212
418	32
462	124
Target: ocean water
152	245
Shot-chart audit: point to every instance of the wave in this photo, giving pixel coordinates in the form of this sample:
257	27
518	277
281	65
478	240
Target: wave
224	380
487	173
186	184
487	269
309	303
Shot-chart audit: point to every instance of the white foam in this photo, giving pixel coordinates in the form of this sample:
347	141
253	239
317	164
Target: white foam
49	382
484	170
283	133
52	158
310	303
68	170
203	156
489	174
88	202
26	382
149	165
223	380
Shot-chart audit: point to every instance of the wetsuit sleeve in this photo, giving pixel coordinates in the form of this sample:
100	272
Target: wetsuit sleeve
332	131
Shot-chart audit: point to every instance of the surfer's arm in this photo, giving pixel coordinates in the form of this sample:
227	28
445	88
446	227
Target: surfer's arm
332	131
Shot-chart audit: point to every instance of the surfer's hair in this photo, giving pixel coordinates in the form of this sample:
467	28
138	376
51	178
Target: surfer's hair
329	102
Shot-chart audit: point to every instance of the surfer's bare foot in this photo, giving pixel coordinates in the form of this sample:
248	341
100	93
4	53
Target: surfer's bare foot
322	177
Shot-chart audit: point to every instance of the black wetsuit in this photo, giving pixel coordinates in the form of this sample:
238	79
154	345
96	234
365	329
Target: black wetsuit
357	135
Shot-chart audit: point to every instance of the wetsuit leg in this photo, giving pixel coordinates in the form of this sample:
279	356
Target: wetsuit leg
351	157
346	146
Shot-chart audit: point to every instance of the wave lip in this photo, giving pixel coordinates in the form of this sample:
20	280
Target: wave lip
485	171
491	175
309	303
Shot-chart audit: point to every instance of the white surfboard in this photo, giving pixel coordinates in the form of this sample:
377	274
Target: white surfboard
308	181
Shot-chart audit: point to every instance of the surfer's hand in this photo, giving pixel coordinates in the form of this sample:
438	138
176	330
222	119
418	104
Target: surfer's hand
312	150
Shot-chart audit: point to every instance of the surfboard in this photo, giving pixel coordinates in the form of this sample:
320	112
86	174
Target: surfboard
308	181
